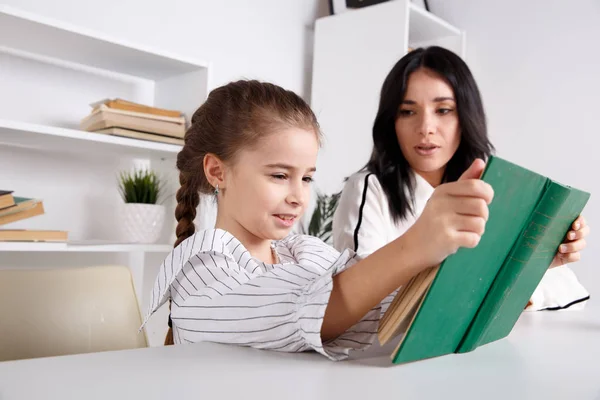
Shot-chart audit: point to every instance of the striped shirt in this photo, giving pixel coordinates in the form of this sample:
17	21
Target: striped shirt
220	293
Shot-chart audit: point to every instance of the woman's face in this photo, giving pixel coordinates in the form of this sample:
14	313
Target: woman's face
427	125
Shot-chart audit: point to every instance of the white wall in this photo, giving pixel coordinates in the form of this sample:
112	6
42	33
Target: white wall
538	66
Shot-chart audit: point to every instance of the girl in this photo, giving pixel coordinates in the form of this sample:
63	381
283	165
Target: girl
247	282
429	128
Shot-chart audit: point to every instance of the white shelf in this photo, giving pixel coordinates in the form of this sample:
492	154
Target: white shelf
57	40
85	66
425	26
48	138
84	247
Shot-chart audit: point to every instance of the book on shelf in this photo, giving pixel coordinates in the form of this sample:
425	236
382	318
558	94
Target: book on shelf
140	135
111	111
32	235
22	209
6	199
120	104
476	295
104	118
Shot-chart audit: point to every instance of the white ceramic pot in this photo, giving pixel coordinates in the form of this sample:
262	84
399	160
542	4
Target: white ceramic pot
141	223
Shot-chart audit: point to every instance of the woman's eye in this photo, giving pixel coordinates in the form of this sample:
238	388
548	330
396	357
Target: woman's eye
405	113
279	176
308	179
444	111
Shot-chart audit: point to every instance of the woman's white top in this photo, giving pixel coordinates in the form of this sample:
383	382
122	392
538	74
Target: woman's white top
363	222
220	293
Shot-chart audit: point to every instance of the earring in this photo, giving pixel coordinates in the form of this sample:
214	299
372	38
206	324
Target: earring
217	189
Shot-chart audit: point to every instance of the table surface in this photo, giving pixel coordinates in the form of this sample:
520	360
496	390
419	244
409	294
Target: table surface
549	355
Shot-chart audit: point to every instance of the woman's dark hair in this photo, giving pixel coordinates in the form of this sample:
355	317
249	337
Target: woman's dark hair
387	161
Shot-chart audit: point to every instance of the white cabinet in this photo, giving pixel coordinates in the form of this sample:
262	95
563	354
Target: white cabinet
353	54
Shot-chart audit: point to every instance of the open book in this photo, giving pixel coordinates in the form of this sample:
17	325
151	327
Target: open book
476	295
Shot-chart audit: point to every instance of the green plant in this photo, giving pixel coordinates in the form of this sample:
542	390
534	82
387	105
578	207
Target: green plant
141	186
321	221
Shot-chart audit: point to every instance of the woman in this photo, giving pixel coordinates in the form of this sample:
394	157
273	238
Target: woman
429	128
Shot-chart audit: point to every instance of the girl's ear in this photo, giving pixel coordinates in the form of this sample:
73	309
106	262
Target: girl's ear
214	169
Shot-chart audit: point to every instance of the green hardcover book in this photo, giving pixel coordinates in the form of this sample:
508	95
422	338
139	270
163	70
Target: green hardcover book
526	265
459	310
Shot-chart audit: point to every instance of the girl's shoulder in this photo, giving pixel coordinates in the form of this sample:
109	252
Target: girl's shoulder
299	246
218	242
209	239
210	242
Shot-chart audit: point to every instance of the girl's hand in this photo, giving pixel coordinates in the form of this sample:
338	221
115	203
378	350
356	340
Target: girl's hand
454	217
568	251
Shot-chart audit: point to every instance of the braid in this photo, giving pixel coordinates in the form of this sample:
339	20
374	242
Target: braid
188	199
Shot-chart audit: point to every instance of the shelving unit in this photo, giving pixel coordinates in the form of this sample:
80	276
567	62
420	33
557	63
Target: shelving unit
50	73
426	29
424	26
354	51
43	37
56	139
84	247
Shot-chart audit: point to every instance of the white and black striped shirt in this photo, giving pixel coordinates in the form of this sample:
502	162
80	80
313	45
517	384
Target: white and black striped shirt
220	293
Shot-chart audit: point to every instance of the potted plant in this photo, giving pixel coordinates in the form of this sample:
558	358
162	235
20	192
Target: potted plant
321	221
142	219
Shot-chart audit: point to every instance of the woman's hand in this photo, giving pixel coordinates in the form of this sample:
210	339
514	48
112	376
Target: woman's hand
454	217
569	250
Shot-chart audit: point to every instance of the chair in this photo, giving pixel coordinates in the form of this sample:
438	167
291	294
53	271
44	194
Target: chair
53	312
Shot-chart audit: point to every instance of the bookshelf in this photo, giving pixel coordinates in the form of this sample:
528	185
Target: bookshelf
353	53
425	27
50	73
42	37
57	139
84	247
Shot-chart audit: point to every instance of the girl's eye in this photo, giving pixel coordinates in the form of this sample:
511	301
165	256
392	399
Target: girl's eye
308	179
405	113
279	176
444	111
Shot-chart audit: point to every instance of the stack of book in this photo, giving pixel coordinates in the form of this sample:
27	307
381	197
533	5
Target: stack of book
13	209
119	117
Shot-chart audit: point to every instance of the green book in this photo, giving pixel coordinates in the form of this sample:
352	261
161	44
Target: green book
476	295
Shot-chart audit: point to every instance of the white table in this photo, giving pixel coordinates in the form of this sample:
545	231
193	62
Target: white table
551	355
